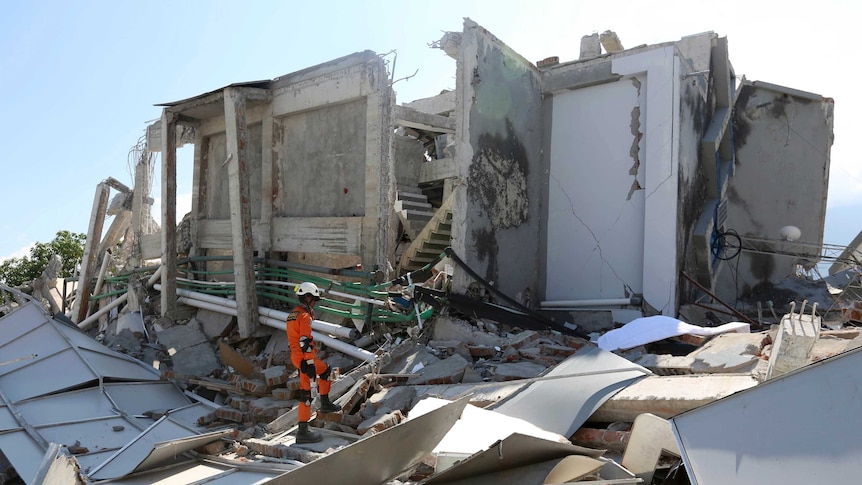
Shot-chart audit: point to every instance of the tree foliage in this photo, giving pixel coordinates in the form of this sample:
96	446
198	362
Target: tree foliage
69	245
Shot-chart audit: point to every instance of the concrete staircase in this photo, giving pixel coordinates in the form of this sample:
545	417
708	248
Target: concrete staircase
430	241
414	211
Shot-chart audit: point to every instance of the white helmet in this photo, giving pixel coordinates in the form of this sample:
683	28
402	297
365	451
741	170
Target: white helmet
308	288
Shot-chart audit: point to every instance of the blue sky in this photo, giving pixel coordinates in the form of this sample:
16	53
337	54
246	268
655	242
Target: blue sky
79	78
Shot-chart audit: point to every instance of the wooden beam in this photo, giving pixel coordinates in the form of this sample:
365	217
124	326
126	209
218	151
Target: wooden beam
88	261
240	210
169	214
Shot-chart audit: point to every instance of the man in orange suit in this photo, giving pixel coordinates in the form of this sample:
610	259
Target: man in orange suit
303	355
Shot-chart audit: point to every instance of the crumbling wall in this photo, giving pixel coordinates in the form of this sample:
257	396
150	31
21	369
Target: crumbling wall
696	110
782	139
499	135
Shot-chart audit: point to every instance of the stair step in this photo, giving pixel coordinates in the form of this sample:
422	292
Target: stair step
442	234
416	215
411	196
410	204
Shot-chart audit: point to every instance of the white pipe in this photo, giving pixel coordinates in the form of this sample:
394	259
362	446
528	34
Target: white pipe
87	322
336	344
586	303
330	328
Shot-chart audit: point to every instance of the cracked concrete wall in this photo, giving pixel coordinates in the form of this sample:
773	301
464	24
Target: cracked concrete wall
321	178
783	139
499	154
614	177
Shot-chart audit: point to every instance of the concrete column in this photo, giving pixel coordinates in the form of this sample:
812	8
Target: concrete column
169	214
240	210
88	261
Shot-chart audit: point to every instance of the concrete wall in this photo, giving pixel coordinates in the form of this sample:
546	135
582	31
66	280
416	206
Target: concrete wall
783	139
499	154
613	186
320	176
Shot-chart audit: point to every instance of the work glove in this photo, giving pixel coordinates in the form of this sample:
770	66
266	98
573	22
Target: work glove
305	343
307	368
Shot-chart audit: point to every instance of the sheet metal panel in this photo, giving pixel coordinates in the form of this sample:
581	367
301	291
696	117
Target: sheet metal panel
94	435
797	428
7	419
114	366
68	406
42	341
202	472
381	456
135	398
46	375
571	392
20	321
24	453
139	448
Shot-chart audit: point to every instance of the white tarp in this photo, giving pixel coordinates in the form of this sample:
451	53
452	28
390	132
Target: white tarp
644	330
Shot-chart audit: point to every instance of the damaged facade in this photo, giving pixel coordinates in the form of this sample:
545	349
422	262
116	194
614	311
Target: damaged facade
537	202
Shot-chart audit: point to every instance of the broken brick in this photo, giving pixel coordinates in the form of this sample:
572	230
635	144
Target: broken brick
601	438
556	350
230	414
254	386
482	351
521	339
283	394
380	423
274	376
213	448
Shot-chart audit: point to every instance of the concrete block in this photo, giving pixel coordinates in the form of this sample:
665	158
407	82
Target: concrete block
213	324
517	370
380	423
278	348
792	345
590	46
731	352
447	371
471	375
667	396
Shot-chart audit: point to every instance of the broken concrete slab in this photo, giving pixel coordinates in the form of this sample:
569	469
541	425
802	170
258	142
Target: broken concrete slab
196	360
411	362
481	394
665	364
179	337
733	352
448	328
667	396
447	371
380	422
213	324
400	398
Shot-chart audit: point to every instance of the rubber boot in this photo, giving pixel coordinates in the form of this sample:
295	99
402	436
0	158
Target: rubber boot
304	435
326	406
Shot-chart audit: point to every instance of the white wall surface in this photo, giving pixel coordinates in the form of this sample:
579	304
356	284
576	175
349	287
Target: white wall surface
600	241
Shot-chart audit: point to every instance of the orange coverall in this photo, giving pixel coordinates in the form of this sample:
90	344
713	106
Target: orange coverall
299	325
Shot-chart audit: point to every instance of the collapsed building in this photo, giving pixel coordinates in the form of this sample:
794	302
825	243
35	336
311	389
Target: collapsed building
539	202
